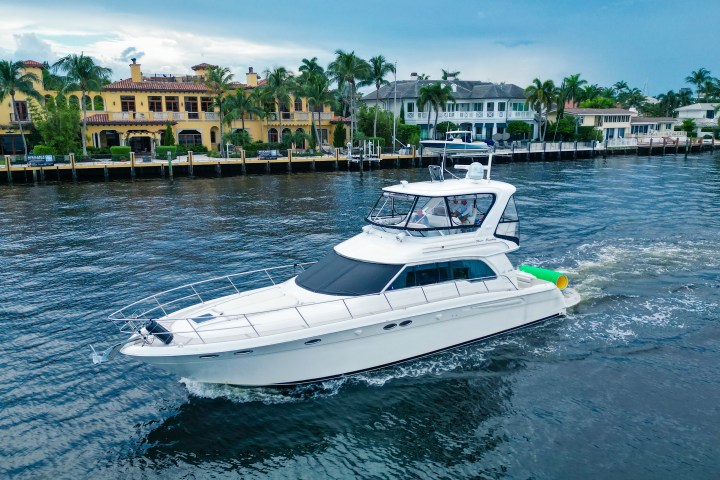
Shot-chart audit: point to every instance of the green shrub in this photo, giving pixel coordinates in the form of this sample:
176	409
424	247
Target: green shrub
120	153
44	150
252	149
162	151
377	141
339	136
406	132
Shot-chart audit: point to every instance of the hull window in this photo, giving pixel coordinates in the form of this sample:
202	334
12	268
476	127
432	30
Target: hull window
431	273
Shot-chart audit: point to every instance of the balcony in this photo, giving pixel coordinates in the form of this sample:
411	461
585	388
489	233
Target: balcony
164	116
459	117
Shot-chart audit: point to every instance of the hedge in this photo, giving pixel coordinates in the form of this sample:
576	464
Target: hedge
44	150
162	151
120	153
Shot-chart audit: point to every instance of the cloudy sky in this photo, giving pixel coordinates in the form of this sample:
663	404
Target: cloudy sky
653	45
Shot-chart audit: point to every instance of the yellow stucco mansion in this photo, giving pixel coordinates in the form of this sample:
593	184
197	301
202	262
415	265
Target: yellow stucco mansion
135	111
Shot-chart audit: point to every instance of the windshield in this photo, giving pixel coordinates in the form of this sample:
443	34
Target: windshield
338	275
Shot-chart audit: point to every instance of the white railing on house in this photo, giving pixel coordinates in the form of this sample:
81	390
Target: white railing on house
471	115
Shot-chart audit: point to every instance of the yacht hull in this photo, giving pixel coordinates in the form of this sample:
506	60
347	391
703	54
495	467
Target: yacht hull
359	345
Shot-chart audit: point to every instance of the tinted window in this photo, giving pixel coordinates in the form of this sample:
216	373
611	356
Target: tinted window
418	275
337	275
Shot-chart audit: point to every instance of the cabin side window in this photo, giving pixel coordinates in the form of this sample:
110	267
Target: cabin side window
431	273
508	228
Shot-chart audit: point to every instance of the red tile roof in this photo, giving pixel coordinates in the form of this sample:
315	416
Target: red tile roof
33	63
127	85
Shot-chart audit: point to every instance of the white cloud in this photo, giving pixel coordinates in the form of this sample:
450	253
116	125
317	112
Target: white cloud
29	47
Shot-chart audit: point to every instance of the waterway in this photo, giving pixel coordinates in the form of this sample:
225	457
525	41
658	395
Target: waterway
625	386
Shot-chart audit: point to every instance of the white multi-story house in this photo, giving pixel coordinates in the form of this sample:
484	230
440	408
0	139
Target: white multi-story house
481	107
704	114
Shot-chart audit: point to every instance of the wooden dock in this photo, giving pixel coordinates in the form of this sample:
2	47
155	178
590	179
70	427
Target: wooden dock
68	168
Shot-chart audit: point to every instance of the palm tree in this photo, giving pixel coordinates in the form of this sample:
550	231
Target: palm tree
632	98
264	99
620	86
350	72
698	78
423	76
317	92
572	87
435	96
83	74
668	103
218	82
14	79
278	82
591	92
540	97
311	67
238	105
378	69
446	74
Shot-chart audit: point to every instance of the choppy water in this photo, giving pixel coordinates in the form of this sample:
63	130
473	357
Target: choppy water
627	386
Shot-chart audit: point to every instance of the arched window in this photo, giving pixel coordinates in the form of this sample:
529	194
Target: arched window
272	135
99	103
73	100
298	105
47	98
299	138
88	102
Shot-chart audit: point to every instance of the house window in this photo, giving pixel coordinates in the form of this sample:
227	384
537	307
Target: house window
450	107
22	111
501	106
710	114
478	107
189	137
155	104
272	135
206	104
519	107
410	107
491	106
213	137
172	104
191	106
127	103
298	105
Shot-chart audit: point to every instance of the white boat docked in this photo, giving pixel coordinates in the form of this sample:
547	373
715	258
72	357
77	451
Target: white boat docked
429	272
457	143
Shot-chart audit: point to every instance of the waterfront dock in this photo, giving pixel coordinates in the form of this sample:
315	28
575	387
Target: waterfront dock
68	167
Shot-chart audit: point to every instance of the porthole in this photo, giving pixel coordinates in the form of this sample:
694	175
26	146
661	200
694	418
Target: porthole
209	356
405	323
390	326
243	352
313	341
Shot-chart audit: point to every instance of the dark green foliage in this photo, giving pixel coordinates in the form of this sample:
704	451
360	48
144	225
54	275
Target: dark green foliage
44	150
519	130
598	102
58	124
587	134
339	136
252	149
120	153
162	151
183	149
239	137
366	119
688	125
444	127
405	133
564	131
167	137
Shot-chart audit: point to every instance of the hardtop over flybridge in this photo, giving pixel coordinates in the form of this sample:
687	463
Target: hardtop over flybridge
429	272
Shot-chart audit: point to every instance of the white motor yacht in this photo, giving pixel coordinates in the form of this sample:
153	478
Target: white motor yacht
429	272
456	143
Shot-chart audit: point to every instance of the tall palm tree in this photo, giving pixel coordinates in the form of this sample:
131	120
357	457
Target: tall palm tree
540	96
572	87
447	74
423	76
435	96
83	74
698	78
264	99
668	103
279	83
14	79
218	82
238	105
620	86
311	67
350	71
378	69
317	92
